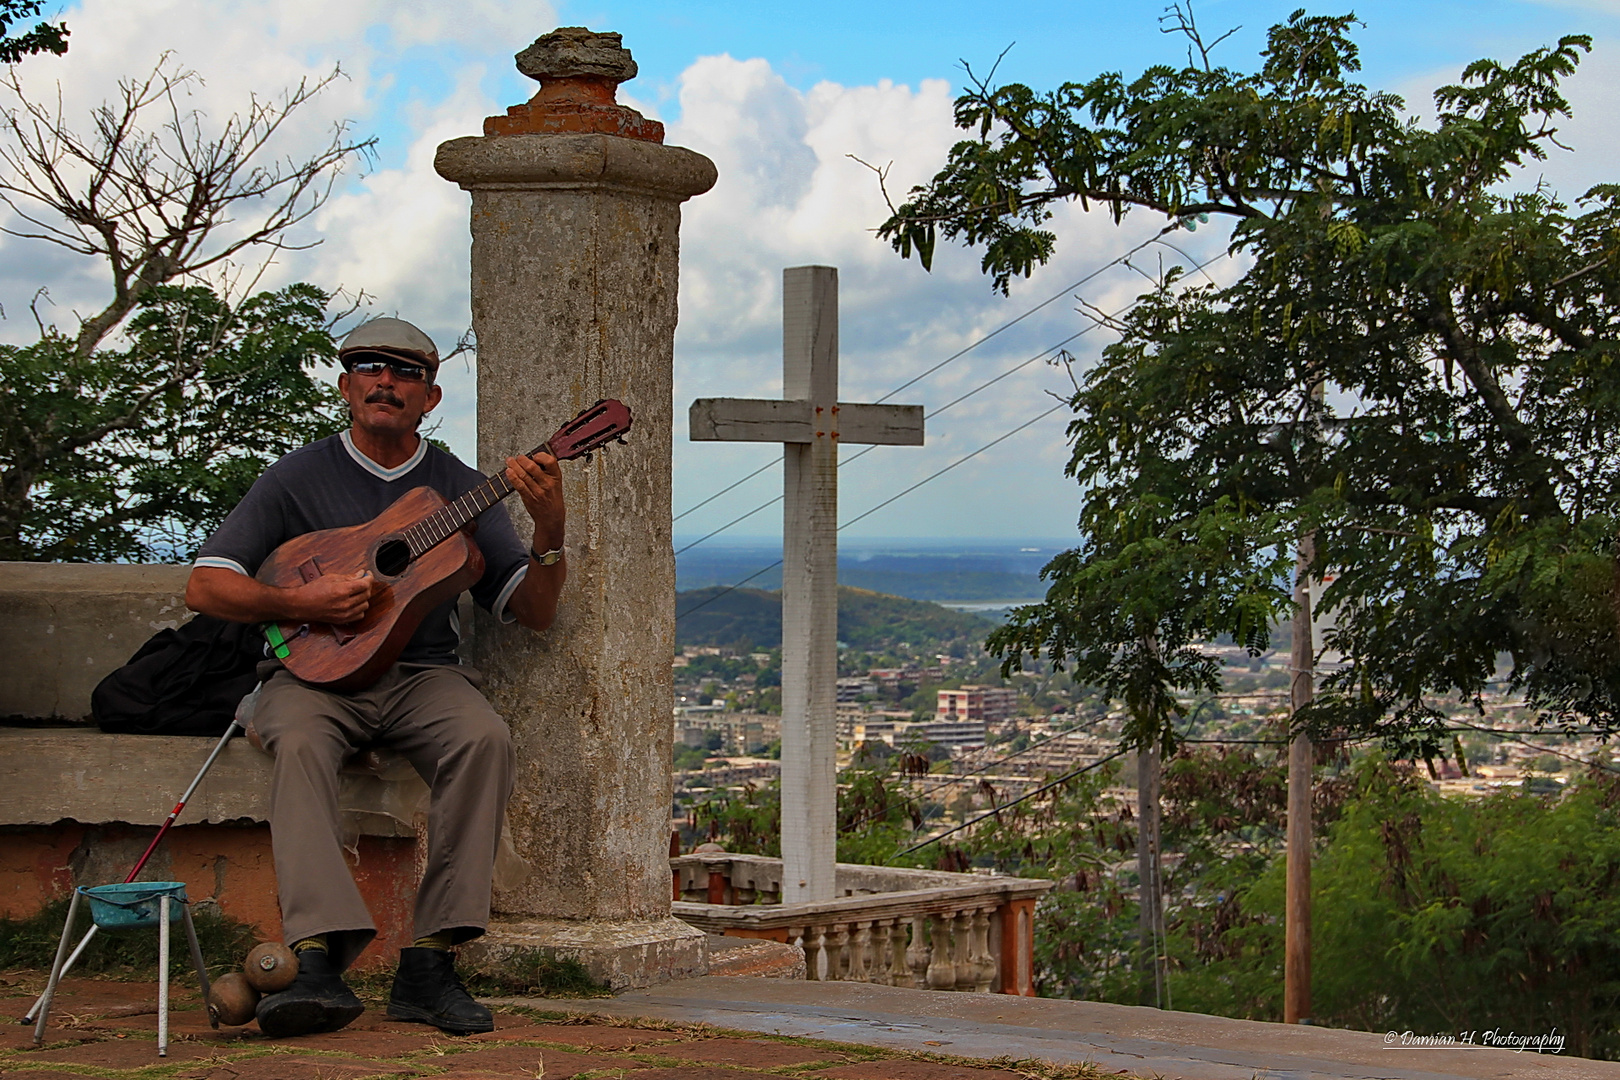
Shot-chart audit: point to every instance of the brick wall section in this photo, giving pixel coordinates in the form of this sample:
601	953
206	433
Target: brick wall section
230	865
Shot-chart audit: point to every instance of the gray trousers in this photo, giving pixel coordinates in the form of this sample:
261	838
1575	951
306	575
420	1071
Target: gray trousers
437	720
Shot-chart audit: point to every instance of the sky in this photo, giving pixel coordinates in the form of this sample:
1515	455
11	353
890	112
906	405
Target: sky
784	98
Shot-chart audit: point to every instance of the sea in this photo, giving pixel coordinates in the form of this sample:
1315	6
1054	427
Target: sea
985	576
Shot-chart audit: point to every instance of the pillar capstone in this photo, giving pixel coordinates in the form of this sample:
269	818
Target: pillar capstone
579	71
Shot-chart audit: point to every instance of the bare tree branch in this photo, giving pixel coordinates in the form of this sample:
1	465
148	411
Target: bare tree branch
153	192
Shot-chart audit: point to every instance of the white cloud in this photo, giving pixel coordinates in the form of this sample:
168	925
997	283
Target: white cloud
1587	155
789	194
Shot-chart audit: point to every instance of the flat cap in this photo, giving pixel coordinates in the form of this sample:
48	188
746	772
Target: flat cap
391	337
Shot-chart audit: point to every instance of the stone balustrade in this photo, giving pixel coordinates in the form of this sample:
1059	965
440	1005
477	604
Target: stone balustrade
900	927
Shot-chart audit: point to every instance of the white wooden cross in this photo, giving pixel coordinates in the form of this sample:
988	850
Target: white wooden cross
810	423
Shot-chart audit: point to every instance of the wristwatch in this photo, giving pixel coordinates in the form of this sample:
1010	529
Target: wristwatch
549	558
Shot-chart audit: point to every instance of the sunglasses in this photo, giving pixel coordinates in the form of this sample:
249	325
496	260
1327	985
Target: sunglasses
403	371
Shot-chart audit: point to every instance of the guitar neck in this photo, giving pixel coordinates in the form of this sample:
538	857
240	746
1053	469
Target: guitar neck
449	519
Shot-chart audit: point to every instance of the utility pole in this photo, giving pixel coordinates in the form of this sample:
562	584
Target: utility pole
1301	762
1151	914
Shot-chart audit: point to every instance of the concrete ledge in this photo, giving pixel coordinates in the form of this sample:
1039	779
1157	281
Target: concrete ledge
86	776
64	626
756	957
621	955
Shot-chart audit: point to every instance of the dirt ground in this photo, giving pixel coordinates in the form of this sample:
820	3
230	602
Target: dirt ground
106	1028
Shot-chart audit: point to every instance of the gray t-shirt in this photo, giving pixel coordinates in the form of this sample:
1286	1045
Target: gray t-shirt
330	484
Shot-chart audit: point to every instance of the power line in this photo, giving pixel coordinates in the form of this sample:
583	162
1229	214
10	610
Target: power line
933	413
952	465
868	513
774	461
1121	260
957	778
1007	806
732	522
1157	238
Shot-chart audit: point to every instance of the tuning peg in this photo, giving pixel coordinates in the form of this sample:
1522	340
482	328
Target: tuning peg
599	401
621	441
587	457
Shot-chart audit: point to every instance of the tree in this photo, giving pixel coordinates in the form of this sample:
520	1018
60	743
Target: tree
1458	471
110	433
44	37
145	465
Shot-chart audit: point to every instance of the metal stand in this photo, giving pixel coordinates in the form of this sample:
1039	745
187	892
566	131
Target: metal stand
168	823
59	968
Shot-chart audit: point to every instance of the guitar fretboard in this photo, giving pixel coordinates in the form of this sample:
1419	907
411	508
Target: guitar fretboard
444	522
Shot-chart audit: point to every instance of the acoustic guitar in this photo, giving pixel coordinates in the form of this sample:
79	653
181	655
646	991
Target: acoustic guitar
421	550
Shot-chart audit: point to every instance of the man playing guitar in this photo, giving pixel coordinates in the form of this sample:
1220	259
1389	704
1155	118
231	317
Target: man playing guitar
427	705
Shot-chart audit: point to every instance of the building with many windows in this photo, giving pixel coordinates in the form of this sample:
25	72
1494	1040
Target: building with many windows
985	704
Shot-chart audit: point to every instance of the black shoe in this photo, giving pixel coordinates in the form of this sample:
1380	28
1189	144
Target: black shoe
427	990
317	1000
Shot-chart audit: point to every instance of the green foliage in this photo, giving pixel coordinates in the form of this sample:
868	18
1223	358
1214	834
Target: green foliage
866	620
31	943
1458	476
44	37
747	821
1437	914
875	818
1128	610
138	452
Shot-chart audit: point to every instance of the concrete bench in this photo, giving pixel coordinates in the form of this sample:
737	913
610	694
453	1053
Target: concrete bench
78	806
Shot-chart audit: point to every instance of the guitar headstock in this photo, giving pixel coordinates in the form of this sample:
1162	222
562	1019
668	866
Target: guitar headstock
593	428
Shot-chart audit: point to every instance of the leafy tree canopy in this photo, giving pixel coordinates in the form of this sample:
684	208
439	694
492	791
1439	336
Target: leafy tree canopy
44	37
137	453
1419	366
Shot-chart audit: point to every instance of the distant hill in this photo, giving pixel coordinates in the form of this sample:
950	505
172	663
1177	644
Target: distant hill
939	575
866	620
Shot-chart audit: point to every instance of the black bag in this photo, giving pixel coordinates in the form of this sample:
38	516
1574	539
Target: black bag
182	682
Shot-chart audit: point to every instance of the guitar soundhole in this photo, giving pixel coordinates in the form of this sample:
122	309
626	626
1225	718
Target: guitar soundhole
393	556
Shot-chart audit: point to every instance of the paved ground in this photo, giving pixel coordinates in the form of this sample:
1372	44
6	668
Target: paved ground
108	1029
1118	1038
731	1029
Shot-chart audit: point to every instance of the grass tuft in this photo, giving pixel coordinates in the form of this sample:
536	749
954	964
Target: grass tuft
31	943
531	972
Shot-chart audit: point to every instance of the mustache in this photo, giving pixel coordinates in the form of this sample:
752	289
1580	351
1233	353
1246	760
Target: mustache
384	397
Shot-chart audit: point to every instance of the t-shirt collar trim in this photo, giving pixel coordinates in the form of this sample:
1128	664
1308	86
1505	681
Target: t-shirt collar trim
377	470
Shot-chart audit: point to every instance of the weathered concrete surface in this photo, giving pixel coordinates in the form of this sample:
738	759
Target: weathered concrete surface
575	239
51	775
1140	1041
64	626
758	957
618	953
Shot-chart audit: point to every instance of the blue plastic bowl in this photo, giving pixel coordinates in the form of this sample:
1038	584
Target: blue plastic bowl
125	906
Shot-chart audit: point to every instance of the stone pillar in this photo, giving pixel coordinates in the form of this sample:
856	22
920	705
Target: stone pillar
575	241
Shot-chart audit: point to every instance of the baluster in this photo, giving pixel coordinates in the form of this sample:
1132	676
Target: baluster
815	951
942	965
899	971
917	953
883	952
967	964
985	973
860	953
838	953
